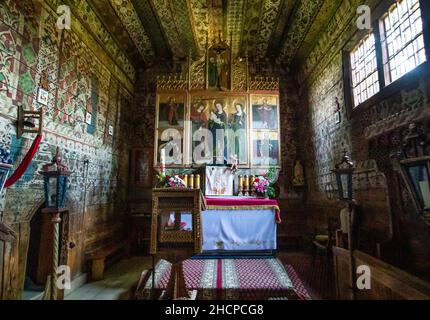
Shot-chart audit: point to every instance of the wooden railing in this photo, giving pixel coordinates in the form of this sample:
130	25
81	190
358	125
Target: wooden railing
387	281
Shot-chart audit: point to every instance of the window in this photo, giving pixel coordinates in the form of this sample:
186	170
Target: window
403	40
394	47
364	70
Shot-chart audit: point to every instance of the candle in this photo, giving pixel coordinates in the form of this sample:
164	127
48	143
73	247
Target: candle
162	160
197	181
245	182
191	182
186	180
163	156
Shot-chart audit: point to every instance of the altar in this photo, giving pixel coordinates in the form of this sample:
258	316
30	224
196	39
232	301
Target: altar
240	224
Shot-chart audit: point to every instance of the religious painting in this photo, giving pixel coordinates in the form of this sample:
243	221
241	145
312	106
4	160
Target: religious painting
219	181
170	143
265	148
170	128
219	129
218	66
171	110
141	167
265	112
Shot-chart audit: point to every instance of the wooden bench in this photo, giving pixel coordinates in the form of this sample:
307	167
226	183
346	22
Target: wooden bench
98	257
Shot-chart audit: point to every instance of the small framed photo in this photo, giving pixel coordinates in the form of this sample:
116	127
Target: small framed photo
337	117
219	181
110	130
42	96
88	118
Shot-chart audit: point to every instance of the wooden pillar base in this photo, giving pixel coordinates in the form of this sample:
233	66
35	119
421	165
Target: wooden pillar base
176	288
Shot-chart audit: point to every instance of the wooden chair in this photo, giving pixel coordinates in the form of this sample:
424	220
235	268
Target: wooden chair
323	241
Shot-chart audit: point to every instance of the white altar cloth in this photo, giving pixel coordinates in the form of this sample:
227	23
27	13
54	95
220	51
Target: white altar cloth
239	230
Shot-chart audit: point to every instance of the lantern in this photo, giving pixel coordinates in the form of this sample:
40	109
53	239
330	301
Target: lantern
55	184
343	171
414	162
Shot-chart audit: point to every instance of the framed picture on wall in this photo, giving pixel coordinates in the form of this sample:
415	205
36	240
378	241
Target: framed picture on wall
171	110
218	181
265	148
211	114
141	170
265	112
172	142
42	96
170	128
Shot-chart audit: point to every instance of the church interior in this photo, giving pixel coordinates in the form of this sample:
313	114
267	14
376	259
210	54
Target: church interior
215	149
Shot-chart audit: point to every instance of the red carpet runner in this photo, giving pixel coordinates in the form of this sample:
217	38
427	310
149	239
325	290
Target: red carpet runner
231	279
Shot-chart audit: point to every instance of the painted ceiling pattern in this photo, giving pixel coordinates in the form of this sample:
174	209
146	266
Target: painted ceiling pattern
131	21
275	30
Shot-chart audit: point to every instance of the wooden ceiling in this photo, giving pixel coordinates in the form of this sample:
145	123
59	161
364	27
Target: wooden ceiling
151	31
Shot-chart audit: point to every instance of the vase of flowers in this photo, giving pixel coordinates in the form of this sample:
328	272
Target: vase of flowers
175	182
261	185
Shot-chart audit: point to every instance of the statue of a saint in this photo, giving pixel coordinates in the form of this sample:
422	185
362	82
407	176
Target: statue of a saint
299	176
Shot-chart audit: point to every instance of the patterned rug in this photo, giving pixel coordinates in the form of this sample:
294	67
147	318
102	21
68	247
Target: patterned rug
230	279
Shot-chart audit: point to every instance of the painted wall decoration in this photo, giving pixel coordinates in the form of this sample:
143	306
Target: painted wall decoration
80	81
141	167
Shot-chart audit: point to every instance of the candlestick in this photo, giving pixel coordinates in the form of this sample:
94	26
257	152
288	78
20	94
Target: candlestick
186	180
191	181
239	185
197	181
162	160
251	185
246	185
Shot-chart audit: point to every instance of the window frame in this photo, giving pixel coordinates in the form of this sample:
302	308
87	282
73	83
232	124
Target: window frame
367	34
386	87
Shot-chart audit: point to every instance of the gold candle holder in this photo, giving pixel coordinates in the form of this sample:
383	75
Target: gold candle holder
251	185
246	185
197	181
186	180
239	185
191	181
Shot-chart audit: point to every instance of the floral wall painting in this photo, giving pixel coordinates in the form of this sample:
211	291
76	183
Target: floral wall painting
265	113
219	181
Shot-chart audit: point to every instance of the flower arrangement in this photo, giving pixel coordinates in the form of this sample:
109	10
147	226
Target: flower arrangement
264	185
172	178
261	185
175	182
